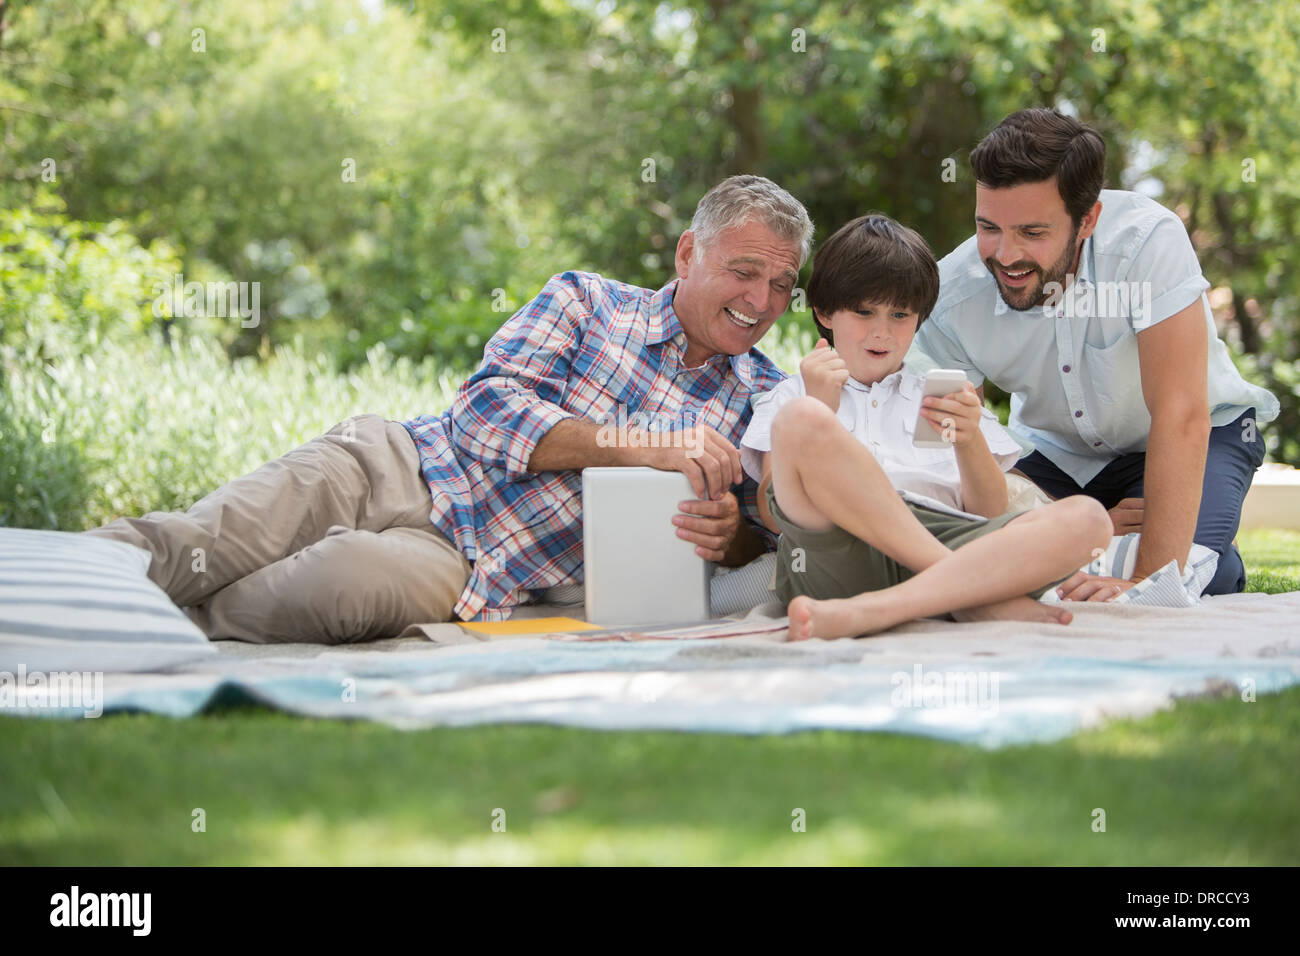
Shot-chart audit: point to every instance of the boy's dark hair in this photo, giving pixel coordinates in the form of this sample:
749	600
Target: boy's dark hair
873	259
1034	145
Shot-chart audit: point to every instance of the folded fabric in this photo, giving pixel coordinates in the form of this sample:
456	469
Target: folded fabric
1165	587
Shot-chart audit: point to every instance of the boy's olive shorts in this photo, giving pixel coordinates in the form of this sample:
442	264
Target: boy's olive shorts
835	564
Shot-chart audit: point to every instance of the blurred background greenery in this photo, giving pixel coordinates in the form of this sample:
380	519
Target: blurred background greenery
400	176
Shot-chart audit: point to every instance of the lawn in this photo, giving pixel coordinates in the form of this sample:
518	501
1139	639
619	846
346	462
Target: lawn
1210	782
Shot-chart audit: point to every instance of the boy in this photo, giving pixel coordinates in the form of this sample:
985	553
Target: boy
832	450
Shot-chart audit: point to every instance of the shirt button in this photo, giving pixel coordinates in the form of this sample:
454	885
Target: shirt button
1095	444
1078	414
1065	368
873	403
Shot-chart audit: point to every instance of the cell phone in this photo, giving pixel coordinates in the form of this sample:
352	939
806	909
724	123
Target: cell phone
938	382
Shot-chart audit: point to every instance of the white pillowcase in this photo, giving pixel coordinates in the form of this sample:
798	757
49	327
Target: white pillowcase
78	602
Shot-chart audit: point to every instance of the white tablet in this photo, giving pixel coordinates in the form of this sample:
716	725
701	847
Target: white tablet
636	569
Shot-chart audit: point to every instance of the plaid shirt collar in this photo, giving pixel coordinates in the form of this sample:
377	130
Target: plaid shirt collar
664	324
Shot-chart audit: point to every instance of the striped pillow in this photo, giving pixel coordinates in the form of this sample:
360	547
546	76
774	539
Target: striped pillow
72	601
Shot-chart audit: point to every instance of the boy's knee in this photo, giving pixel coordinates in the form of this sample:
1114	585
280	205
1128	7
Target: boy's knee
800	419
1089	518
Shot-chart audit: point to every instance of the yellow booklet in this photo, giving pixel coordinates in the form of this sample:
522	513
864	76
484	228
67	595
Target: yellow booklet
536	625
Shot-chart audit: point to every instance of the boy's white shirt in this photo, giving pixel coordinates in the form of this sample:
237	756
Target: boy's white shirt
883	417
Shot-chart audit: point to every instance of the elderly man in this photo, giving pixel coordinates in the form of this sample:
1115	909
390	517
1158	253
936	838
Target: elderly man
1089	307
379	525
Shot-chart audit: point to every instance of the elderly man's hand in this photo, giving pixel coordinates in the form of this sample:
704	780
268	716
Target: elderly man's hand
701	454
710	524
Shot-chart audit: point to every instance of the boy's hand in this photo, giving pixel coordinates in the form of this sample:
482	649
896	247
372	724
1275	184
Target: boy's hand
955	416
824	374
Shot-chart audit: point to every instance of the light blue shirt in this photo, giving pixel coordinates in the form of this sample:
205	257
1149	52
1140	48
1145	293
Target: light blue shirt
1071	365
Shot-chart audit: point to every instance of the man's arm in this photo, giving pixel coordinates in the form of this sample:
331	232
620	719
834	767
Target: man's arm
1172	355
514	398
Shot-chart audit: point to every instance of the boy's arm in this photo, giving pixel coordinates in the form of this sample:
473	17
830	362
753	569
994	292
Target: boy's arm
983	485
957	416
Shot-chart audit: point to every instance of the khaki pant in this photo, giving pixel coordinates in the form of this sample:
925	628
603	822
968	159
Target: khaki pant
328	544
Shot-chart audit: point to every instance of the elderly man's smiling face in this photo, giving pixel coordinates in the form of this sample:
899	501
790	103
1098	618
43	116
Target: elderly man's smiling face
728	299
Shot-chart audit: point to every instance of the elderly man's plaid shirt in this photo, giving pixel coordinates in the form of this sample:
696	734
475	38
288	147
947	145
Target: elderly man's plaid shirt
583	347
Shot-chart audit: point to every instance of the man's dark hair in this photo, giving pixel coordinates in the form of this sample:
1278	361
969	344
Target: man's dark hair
1033	145
873	259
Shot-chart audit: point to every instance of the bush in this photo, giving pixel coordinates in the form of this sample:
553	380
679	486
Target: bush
68	286
138	427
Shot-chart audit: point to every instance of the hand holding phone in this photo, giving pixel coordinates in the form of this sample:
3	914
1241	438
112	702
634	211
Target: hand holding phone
939	382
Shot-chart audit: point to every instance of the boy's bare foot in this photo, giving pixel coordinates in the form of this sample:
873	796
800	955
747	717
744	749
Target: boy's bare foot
831	619
1021	608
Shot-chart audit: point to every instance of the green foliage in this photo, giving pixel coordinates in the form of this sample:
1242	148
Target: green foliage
494	145
138	427
66	287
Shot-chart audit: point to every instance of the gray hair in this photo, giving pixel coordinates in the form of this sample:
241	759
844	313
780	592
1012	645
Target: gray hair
740	199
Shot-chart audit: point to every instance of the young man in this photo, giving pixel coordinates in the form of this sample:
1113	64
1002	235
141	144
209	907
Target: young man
833	449
380	525
1088	306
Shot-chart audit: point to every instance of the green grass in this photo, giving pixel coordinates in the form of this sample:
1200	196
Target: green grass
1272	560
1208	782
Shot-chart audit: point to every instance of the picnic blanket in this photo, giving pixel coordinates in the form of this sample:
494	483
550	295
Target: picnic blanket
991	684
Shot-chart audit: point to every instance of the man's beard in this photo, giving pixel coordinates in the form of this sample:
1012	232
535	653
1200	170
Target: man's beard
1022	300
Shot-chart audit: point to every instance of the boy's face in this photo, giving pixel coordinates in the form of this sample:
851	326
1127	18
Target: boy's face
873	338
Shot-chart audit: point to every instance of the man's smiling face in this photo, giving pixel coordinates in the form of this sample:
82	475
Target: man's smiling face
1027	239
728	299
